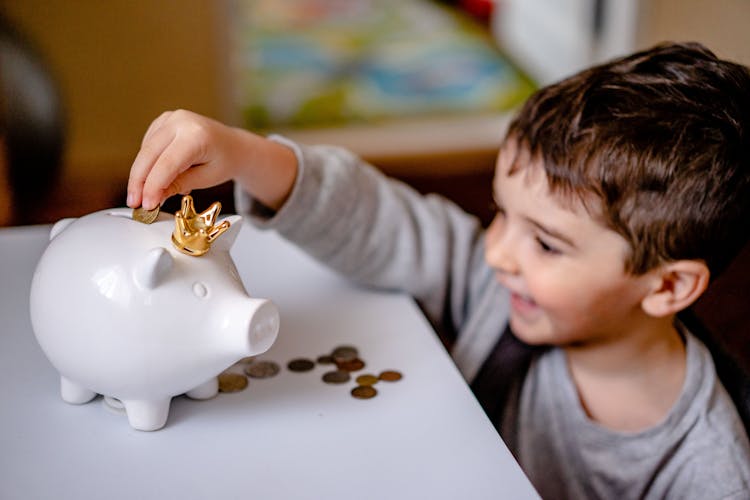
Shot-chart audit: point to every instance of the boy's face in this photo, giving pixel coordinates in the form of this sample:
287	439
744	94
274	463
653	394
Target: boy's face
565	271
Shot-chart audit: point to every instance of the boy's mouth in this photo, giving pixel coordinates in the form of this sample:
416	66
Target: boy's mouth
523	304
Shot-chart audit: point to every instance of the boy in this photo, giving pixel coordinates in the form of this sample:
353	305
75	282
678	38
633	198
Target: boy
620	190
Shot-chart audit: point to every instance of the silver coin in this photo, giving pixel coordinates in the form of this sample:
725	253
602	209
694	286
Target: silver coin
336	377
345	353
262	369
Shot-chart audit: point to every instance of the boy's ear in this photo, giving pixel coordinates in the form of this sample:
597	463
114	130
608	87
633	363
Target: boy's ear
676	285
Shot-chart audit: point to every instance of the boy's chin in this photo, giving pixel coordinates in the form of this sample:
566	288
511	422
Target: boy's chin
529	334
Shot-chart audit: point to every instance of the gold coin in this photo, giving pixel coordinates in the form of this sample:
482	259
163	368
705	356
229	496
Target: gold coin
301	365
232	382
353	365
336	377
390	376
367	379
364	392
145	216
262	369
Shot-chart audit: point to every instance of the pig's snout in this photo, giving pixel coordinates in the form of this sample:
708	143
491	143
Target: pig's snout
263	326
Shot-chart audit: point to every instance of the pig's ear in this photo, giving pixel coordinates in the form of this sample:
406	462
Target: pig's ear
226	240
59	226
152	268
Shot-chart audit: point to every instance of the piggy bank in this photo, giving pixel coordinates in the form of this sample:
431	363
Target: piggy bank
140	313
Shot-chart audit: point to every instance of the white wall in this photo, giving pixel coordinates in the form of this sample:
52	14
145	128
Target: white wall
722	25
551	39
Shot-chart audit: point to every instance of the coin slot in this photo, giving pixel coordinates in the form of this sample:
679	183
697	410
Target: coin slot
121	214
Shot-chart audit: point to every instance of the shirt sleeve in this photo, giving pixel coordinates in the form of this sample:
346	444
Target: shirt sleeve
378	231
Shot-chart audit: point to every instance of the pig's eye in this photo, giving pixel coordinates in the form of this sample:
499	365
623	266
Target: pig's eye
200	290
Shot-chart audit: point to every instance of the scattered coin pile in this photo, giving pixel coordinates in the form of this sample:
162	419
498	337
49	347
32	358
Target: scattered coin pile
145	216
345	359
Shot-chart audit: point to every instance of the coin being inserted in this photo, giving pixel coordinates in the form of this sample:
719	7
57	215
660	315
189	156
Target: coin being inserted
145	216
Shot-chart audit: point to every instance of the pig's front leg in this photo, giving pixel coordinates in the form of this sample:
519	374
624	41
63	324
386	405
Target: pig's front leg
73	393
148	415
206	390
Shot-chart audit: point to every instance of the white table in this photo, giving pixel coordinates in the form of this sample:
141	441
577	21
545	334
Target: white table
288	437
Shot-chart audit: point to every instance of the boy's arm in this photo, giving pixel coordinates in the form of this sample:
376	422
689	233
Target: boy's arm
378	231
342	211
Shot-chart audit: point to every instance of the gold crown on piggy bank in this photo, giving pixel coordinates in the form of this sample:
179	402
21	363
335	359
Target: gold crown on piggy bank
194	232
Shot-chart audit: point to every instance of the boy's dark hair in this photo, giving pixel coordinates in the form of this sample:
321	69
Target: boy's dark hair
661	139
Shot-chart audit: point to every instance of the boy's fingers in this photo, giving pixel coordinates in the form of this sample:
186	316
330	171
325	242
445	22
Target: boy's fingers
155	125
178	185
145	161
175	159
196	177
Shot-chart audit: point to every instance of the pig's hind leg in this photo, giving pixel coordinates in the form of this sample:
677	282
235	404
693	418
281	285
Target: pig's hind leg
73	393
206	390
148	415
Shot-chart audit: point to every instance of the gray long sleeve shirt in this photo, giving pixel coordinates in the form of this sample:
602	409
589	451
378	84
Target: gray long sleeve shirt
381	233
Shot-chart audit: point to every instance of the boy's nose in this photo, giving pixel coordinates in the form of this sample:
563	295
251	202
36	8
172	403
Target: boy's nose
498	251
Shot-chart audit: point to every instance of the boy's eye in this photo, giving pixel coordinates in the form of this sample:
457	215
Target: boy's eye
546	247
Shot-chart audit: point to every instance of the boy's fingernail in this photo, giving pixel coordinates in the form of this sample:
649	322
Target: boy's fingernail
130	199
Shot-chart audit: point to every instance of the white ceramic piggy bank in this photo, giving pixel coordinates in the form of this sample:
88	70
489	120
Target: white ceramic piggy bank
120	311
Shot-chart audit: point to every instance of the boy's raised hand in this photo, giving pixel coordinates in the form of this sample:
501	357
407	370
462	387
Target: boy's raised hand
182	151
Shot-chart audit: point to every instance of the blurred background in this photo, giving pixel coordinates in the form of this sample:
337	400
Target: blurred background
421	88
